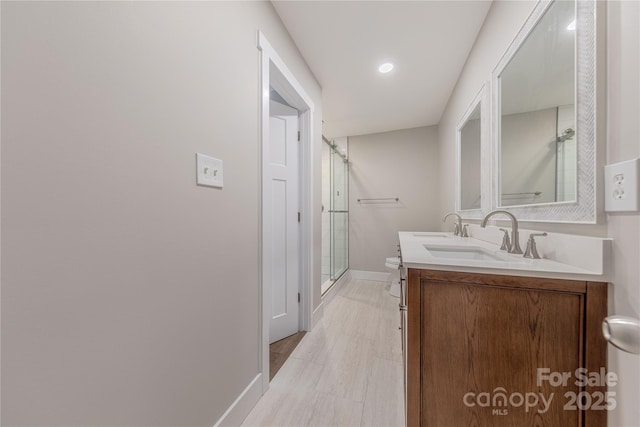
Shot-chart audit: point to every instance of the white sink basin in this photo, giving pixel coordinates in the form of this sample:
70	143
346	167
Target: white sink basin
432	234
440	250
464	253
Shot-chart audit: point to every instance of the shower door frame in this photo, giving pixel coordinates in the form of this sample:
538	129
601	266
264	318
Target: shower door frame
333	276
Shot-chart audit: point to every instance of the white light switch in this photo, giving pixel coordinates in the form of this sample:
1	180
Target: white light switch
621	185
209	171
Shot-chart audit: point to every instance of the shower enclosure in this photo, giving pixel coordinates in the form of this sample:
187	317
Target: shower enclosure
335	210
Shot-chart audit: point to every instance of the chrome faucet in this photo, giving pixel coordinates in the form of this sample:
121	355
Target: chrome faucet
457	228
506	243
515	238
532	250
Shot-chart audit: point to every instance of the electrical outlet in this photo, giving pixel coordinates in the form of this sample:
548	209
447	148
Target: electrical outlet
621	185
618	179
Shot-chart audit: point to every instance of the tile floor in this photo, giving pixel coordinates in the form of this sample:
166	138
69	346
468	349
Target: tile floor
347	371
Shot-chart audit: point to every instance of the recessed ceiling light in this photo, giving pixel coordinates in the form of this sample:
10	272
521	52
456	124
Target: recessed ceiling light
386	67
572	26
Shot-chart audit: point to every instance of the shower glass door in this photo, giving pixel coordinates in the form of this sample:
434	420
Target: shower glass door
335	221
339	211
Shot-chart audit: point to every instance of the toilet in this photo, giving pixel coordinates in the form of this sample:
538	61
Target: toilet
393	265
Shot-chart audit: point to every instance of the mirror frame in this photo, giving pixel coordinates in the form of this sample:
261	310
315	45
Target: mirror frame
587	66
481	100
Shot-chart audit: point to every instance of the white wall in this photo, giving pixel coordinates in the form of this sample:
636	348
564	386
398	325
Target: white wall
623	143
401	164
129	294
623	67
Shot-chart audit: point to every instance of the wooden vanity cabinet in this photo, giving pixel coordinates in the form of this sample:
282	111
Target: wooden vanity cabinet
475	333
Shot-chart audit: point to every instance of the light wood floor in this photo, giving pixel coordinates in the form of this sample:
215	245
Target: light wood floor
280	351
347	371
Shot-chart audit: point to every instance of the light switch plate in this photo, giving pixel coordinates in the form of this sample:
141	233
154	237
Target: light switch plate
621	185
209	171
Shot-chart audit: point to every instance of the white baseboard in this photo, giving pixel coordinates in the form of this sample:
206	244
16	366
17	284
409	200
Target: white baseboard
333	291
375	276
317	314
240	408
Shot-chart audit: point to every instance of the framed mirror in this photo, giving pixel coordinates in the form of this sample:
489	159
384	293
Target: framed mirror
469	153
544	116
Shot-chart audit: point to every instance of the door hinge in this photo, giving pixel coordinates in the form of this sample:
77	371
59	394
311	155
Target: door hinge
298	297
298	136
299	216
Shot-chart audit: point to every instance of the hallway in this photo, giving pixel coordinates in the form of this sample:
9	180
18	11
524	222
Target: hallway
347	371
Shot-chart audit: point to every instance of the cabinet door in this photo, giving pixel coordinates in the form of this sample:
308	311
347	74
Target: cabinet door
482	342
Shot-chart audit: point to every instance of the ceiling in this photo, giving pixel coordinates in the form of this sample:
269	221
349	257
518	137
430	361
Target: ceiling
344	42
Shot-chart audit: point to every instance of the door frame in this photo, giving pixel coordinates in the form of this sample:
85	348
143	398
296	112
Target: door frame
275	73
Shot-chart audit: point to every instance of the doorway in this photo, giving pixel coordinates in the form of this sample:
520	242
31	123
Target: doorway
276	75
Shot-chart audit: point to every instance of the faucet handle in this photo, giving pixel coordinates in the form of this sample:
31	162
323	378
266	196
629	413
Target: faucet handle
464	232
506	242
456	229
532	251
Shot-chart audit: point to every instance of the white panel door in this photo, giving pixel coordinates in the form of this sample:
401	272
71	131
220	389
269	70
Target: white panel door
283	168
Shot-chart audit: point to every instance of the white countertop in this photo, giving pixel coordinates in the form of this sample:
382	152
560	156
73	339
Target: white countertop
415	255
